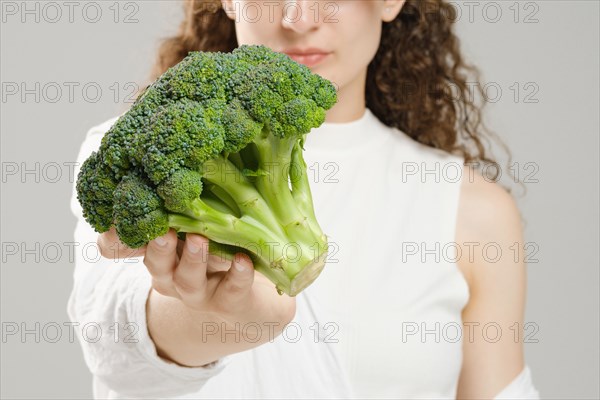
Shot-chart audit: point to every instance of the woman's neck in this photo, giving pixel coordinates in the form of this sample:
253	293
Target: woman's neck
351	102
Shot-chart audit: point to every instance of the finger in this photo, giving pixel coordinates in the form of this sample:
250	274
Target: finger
190	274
236	285
218	264
110	246
161	259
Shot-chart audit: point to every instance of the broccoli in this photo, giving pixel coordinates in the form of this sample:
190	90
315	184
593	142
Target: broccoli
214	146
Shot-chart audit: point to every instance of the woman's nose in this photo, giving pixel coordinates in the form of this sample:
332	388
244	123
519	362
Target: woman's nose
301	16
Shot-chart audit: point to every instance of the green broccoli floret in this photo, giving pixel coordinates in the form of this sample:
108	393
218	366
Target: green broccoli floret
138	212
214	147
95	187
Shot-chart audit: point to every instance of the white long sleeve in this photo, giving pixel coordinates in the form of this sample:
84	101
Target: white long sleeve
108	305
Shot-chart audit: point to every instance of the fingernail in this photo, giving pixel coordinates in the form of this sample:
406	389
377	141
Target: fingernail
161	240
192	247
239	266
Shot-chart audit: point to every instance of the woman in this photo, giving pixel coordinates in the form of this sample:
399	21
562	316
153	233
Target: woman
411	303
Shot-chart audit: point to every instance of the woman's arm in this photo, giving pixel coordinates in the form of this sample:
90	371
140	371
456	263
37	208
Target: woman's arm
488	219
153	314
107	306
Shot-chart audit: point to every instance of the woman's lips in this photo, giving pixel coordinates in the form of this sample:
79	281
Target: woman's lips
308	59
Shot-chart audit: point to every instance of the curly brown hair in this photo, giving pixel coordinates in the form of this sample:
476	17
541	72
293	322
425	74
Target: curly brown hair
417	82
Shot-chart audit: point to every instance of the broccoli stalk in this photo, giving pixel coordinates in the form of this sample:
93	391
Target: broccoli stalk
283	234
214	147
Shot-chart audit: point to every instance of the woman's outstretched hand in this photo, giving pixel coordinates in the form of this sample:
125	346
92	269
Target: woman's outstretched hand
203	307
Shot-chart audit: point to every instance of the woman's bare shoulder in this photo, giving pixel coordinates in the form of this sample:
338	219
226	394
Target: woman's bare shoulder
489	221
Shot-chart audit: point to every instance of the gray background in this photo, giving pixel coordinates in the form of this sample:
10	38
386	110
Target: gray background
558	54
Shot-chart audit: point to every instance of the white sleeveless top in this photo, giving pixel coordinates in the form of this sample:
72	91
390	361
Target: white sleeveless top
381	287
382	320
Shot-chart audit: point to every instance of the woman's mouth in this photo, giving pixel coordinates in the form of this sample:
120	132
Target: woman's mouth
310	58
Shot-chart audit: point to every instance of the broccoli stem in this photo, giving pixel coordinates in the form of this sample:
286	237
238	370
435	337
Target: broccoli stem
273	256
301	188
275	157
236	160
269	201
292	286
224	228
221	172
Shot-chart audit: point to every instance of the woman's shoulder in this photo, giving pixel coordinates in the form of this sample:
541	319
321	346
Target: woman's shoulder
488	215
484	202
